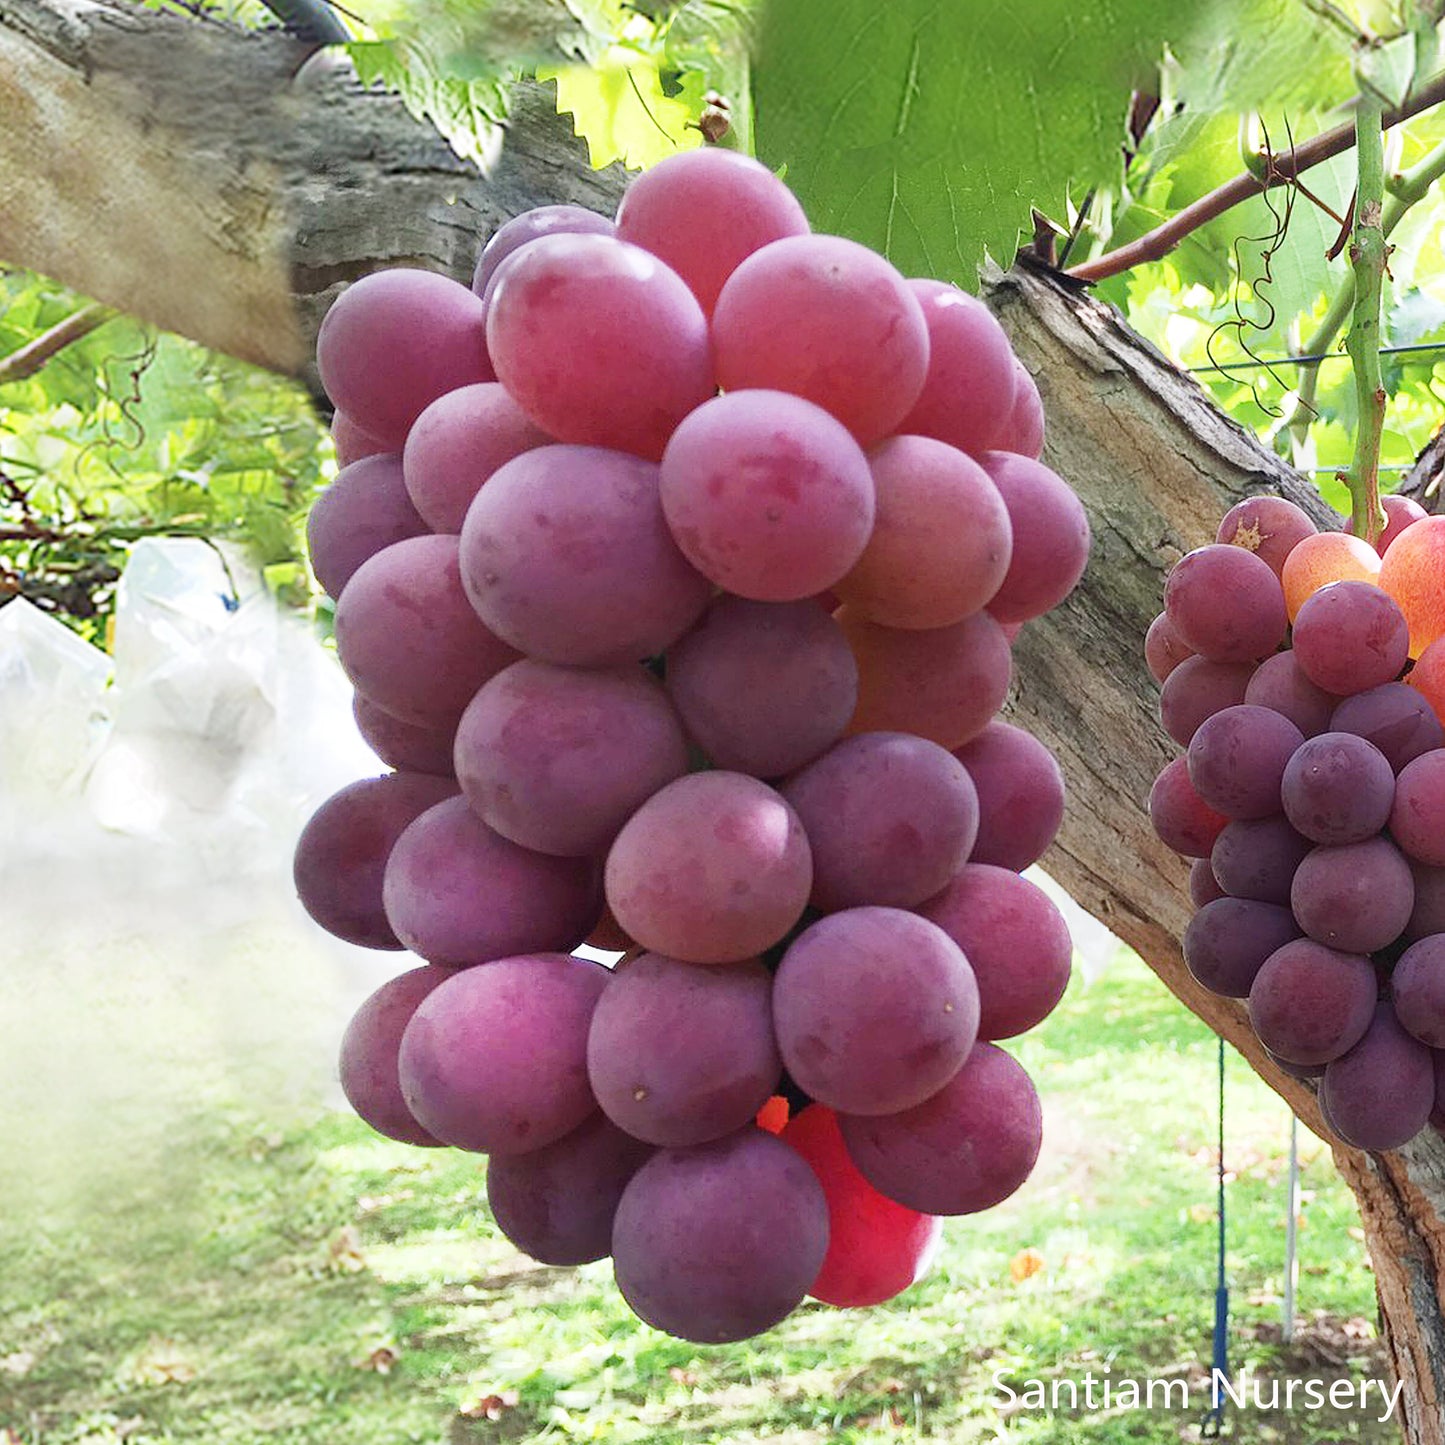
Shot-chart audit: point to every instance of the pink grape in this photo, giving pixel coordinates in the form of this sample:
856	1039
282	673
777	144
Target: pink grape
401	744
763	687
964	1149
1050	537
943	683
682	1053
495	1058
365	509
1226	604
1181	818
704	212
714	868
396	340
342	851
941	539
1380	1094
1350	636
1020	795
875	1009
827	320
767	495
1280	683
1024	434
890	818
407	637
720	1241
458	893
457	443
557	1203
351	441
531	226
566	555
1197	689
1267	526
557	758
1357	897
1400	512
599	342
1417	818
1311	1004
1014	939
970	392
369	1049
1337	788
1164	650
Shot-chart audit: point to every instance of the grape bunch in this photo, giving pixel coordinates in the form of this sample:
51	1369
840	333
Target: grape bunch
676	566
1304	672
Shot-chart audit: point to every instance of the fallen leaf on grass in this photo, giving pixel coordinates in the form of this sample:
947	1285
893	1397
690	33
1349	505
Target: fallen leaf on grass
380	1359
9	1437
491	1407
1025	1264
162	1362
345	1250
20	1363
679	1376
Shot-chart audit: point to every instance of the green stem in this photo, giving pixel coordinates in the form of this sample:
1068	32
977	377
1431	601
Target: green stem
1406	189
1367	259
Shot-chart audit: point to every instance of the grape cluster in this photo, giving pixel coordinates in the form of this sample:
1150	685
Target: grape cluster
676	567
1304	672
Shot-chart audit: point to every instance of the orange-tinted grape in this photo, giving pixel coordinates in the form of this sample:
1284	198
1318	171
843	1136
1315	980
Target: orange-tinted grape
1326	557
1428	675
1413	573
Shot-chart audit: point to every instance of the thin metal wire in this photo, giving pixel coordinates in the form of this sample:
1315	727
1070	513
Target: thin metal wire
1314	360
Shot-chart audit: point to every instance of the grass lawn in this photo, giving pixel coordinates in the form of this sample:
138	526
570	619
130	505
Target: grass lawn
251	1273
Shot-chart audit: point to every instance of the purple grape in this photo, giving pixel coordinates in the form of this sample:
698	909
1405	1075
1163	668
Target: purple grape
963	1150
1395	718
342	851
763	687
1257	857
890	818
1349	637
1204	886
1417	819
1164	650
558	758
1418	988
1014	939
1428	915
365	509
1338	788
1380	1094
875	1010
1226	604
557	1203
1237	758
369	1050
682	1053
458	893
1310	1004
1278	683
1020	795
721	1241
495	1058
1267	526
1357	897
1181	818
1196	690
1227	942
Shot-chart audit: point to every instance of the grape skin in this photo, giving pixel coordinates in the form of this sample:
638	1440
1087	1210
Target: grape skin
1237	758
1380	1094
1020	795
1395	718
1226	604
1311	1004
530	226
1417	818
875	1010
365	509
1350	636
1228	941
1418	988
1279	683
1267	526
1357	897
1197	689
1257	858
403	745
1050	537
720	1241
1338	788
1181	818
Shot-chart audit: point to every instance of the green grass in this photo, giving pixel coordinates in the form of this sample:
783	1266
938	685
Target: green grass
246	1283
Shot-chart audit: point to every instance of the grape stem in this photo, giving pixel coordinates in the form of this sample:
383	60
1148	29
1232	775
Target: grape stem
1279	170
1368	253
1405	189
24	362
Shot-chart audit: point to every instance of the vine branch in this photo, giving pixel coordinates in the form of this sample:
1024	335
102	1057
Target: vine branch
1367	258
1279	169
25	361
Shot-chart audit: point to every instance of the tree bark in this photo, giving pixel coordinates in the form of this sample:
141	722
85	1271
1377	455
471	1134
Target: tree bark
218	184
